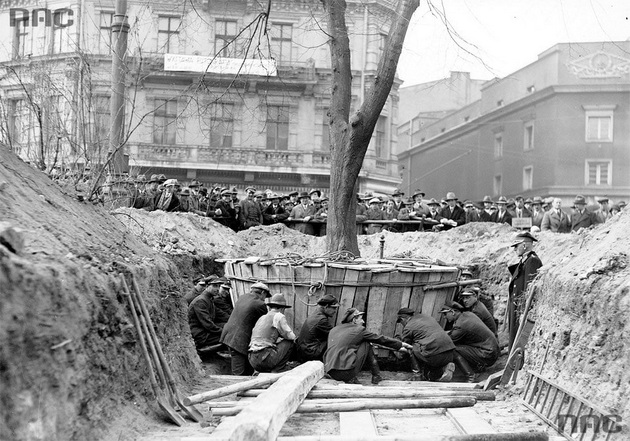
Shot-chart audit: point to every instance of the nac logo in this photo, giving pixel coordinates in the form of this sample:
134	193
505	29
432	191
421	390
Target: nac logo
44	16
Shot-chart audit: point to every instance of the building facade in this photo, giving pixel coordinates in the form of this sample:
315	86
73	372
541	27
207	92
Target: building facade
558	127
214	126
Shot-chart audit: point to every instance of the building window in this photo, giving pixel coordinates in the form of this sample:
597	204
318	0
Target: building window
225	38
528	136
598	172
221	125
380	139
277	127
528	178
281	37
61	34
382	41
106	19
498	145
325	135
165	122
599	126
21	122
101	119
497	188
168	34
21	38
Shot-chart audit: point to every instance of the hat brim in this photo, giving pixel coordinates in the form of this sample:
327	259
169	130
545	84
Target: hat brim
279	305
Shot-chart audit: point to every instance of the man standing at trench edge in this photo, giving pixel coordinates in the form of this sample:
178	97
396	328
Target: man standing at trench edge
522	273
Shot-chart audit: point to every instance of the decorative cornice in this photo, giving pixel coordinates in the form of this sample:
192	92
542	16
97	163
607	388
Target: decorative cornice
599	65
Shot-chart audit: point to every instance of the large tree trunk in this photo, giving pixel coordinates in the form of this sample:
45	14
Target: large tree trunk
350	137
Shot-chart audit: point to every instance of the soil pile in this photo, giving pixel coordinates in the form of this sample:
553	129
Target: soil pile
69	362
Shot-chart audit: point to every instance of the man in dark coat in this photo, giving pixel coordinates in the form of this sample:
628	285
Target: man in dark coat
522	273
476	347
519	210
201	319
223	210
581	217
432	353
349	349
274	212
223	301
485	215
250	214
313	339
452	215
471	303
502	215
237	332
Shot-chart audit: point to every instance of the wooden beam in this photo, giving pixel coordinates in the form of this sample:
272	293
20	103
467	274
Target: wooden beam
468	421
262	419
331	406
232	389
511	436
385	392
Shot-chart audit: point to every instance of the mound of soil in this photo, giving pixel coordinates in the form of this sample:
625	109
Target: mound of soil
69	361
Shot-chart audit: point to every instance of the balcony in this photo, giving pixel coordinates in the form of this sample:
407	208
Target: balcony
235	158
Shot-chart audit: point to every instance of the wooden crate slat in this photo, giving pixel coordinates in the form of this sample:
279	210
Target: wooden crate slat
348	292
318	271
393	302
417	293
301	298
362	292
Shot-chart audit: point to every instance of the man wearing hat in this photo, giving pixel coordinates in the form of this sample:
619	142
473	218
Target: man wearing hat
349	349
202	318
519	210
556	219
237	332
274	212
476	347
471	212
502	215
432	219
223	301
581	216
522	274
433	349
200	286
303	211
452	215
168	200
537	211
250	214
315	193
272	338
602	214
470	301
374	213
224	211
313	339
486	214
397	196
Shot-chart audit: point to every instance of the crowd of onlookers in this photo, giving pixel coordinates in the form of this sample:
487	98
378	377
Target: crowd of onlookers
307	211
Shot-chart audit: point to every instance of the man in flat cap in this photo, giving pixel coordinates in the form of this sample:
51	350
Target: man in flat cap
349	349
476	347
522	273
250	214
202	318
470	300
602	214
223	301
433	349
237	332
272	338
313	339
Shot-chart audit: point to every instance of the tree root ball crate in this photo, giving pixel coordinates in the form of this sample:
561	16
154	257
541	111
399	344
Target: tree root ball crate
379	288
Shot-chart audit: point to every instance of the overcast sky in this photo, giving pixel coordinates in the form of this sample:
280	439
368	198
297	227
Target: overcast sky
505	35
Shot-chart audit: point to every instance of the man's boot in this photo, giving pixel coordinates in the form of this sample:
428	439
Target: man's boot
463	365
374	367
447	375
417	374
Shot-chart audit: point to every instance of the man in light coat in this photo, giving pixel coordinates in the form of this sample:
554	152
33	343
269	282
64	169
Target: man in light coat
556	219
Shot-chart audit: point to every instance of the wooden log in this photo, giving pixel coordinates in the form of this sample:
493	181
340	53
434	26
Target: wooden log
231	389
452	284
507	436
263	418
426	384
328	406
384	392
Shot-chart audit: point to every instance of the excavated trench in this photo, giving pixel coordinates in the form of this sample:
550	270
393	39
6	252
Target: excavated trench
70	367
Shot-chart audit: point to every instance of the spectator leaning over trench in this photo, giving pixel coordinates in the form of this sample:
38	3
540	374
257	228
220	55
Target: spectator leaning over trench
313	339
349	349
272	338
237	332
476	347
432	353
522	273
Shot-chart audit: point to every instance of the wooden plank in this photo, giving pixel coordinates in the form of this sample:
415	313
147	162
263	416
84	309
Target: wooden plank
232	389
357	423
468	421
417	293
430	297
393	300
257	272
263	418
336	274
348	292
387	392
362	292
285	274
504	436
300	299
376	303
318	272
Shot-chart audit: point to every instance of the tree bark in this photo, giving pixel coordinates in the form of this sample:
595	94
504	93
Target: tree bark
350	137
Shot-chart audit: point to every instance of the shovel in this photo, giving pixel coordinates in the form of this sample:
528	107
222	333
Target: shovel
159	395
161	365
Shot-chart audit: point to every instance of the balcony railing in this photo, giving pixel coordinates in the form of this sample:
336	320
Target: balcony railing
176	154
